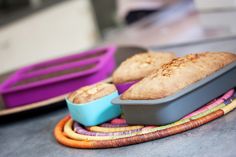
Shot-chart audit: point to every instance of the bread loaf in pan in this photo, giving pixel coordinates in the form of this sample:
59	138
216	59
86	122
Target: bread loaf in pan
178	74
178	88
137	67
140	65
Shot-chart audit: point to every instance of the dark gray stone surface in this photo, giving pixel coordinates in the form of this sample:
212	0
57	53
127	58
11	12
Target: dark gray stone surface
33	137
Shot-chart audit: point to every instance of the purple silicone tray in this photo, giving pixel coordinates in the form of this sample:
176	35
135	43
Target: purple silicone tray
56	77
122	87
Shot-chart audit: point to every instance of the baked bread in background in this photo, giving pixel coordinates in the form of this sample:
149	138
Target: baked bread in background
91	92
178	74
140	65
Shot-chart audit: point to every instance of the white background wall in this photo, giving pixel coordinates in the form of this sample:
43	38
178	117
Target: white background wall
215	4
55	31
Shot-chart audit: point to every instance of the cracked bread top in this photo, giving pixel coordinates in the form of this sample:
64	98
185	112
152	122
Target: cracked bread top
178	74
91	93
140	65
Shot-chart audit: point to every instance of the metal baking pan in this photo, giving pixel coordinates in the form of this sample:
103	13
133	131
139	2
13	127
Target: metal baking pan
172	108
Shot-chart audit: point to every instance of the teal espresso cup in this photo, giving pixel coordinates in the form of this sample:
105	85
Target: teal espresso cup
95	112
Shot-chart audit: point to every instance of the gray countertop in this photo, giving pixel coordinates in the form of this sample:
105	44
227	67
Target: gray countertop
33	136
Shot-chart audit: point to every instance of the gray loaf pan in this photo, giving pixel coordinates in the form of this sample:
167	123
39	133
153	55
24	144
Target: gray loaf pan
172	108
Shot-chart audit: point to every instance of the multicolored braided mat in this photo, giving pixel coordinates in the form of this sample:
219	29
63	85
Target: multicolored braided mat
117	133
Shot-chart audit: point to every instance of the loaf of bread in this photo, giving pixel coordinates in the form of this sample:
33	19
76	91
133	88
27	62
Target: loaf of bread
178	74
140	65
90	93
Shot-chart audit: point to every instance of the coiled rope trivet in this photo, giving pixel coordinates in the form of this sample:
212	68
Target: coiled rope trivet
117	133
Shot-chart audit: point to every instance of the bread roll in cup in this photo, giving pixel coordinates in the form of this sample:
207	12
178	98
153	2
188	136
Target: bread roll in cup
91	105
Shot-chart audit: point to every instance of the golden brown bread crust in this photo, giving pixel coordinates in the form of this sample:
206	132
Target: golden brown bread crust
90	93
178	74
140	65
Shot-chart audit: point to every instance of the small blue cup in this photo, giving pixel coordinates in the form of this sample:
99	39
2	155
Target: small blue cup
95	112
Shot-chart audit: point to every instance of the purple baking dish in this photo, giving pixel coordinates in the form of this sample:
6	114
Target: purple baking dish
122	87
56	77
